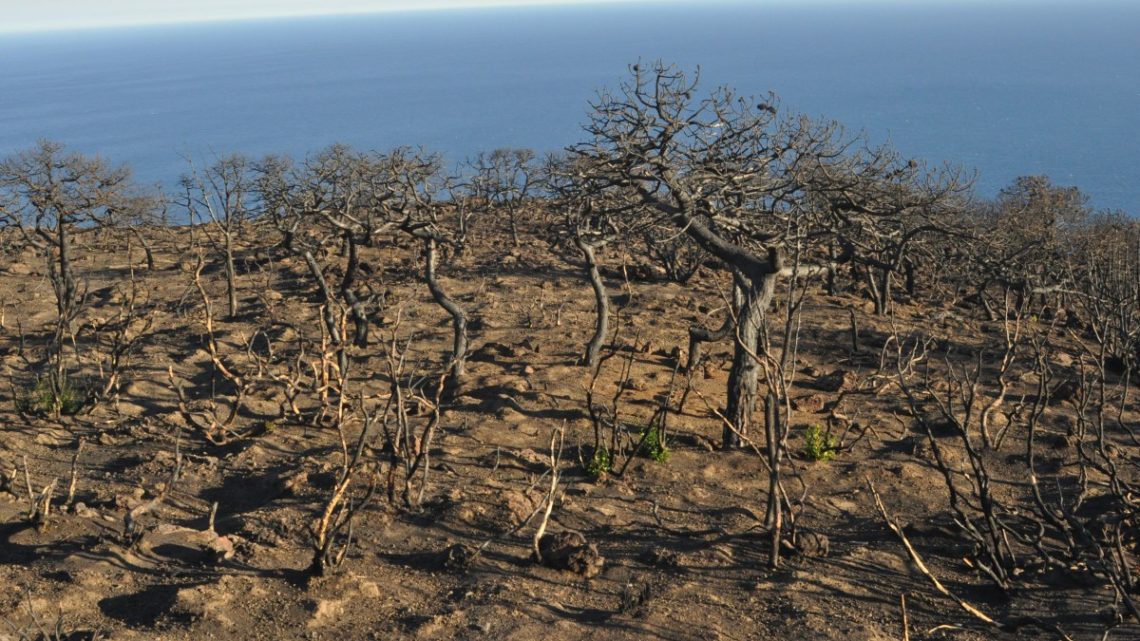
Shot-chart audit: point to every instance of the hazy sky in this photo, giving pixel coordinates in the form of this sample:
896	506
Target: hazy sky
22	15
46	15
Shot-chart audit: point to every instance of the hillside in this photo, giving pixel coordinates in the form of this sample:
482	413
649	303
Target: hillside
129	549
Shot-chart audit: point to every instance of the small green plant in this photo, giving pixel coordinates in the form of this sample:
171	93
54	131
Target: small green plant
52	395
601	463
654	444
819	445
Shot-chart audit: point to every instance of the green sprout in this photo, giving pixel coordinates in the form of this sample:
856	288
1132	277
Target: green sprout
819	445
52	395
654	443
601	463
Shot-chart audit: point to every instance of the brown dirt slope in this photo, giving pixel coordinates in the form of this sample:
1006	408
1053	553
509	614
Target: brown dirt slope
685	554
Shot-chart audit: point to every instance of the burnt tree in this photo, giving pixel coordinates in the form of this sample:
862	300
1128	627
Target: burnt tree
221	195
502	181
50	196
743	182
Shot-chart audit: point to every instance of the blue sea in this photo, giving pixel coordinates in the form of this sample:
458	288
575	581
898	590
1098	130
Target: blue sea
1006	88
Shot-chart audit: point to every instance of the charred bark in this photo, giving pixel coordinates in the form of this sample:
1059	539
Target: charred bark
745	373
357	308
601	303
231	277
458	317
699	335
330	318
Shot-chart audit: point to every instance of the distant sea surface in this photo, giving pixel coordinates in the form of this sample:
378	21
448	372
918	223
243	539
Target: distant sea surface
1008	88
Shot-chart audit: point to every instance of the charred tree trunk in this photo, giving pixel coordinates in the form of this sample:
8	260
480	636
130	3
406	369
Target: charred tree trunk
832	276
882	291
65	286
511	215
601	302
329	315
745	373
458	318
699	335
868	276
66	291
147	249
288	240
464	230
231	277
980	298
359	313
774	516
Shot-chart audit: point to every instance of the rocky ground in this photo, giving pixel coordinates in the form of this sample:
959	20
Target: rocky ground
678	551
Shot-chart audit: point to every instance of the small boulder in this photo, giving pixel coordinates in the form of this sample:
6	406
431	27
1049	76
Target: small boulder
456	558
492	352
291	484
1066	390
635	385
812	545
570	551
53	438
660	557
812	403
837	381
